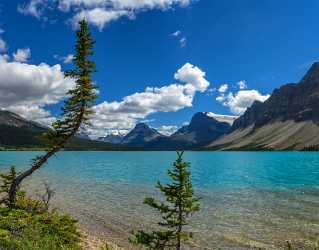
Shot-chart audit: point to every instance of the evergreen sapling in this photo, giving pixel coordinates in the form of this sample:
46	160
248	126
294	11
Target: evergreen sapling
179	206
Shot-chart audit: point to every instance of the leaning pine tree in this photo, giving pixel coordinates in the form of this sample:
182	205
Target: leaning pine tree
76	111
180	205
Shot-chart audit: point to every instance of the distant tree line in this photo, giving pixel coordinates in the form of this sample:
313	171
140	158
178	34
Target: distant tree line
311	148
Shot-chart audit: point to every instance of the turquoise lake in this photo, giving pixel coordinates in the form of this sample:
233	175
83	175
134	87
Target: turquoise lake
249	199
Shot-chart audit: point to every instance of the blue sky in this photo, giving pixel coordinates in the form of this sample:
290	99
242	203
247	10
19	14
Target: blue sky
263	44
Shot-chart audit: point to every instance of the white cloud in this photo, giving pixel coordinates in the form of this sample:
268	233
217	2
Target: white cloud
123	115
242	84
26	89
99	16
3	45
65	59
194	75
148	4
35	8
182	39
97	12
22	55
68	59
33	113
66	5
167	129
4	58
240	101
220	98
223	88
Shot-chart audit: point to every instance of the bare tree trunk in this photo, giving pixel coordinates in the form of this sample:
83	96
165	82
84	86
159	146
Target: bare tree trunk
41	160
17	181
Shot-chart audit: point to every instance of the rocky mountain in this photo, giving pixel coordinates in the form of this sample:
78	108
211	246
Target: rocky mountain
8	118
111	138
289	119
19	133
142	135
202	129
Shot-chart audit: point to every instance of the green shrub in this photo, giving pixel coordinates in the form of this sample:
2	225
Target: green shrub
30	228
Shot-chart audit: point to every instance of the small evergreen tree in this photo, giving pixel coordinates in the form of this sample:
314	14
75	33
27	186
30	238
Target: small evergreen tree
180	205
76	110
6	181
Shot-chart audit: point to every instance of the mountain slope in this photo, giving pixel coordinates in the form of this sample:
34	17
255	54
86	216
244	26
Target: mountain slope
11	119
19	133
141	136
289	119
202	129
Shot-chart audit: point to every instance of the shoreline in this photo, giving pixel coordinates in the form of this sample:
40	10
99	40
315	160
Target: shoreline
91	241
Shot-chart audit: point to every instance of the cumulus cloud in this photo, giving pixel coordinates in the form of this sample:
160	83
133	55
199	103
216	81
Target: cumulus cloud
99	16
22	55
123	115
26	89
223	88
240	101
4	57
167	129
194	75
97	12
33	113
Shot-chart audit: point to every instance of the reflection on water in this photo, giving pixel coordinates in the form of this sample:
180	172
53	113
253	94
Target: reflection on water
249	200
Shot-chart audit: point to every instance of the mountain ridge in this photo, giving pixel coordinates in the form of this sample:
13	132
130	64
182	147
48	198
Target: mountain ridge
287	120
27	136
293	105
201	130
141	135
